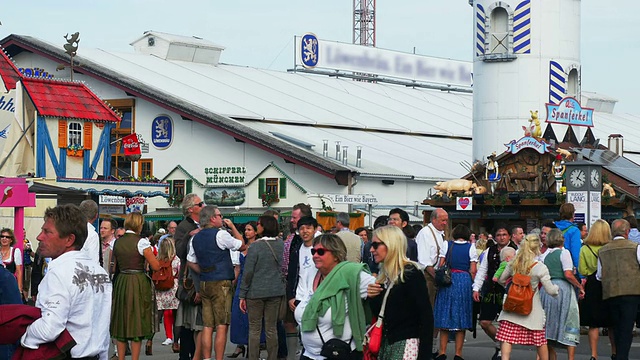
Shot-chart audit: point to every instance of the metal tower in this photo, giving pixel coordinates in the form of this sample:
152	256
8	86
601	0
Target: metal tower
364	22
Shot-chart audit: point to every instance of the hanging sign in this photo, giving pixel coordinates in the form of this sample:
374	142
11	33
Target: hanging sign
131	145
569	112
162	131
464	203
527	142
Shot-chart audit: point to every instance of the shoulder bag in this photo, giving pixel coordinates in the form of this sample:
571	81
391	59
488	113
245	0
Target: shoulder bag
443	273
282	310
186	289
373	336
335	349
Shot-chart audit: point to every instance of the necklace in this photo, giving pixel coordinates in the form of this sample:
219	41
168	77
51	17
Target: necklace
5	254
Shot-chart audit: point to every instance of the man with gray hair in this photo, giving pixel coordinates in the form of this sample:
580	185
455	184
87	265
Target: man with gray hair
191	207
210	250
619	272
352	241
89	209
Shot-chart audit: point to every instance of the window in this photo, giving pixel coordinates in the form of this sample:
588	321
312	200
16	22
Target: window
178	187
272	186
120	165
499	32
573	84
145	168
74	134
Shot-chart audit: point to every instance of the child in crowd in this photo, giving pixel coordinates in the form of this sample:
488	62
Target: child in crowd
506	255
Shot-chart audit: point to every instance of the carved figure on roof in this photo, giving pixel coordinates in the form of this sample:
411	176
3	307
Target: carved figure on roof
491	171
466	186
607	190
566	153
535	124
558	169
72	43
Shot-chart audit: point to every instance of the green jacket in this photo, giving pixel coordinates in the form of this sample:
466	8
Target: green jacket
343	280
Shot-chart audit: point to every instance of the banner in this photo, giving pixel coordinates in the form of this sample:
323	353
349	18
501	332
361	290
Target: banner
131	145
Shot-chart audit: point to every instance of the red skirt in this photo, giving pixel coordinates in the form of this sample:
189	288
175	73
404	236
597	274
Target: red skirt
516	334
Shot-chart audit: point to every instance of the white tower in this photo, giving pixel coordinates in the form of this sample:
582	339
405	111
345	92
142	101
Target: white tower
526	54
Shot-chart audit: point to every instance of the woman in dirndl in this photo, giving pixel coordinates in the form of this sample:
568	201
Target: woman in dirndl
454	303
133	310
593	310
563	328
526	329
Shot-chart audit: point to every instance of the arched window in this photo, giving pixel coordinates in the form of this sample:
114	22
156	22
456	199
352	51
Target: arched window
499	42
573	84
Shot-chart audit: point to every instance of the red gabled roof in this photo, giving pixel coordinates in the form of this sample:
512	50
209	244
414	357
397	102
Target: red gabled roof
65	99
8	71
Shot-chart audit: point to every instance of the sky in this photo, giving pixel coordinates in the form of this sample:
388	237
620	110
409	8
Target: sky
259	33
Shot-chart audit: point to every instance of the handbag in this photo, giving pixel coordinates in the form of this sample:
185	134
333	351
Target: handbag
186	289
443	273
335	349
373	336
282	310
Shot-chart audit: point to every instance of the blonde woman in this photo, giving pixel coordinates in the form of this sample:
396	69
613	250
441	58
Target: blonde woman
408	319
593	310
526	329
166	301
132	309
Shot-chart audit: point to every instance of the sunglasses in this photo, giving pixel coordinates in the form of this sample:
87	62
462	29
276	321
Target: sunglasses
376	244
200	204
5	237
320	251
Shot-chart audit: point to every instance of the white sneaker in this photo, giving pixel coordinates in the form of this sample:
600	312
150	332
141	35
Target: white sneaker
167	342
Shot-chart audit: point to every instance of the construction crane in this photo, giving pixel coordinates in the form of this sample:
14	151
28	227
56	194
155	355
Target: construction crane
364	22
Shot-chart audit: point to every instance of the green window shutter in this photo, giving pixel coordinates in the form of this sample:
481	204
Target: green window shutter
188	187
170	186
283	188
262	187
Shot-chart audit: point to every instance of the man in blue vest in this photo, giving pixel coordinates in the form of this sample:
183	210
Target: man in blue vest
211	252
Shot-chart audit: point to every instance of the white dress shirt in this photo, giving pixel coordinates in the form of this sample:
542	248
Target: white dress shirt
224	240
427	249
92	244
74	295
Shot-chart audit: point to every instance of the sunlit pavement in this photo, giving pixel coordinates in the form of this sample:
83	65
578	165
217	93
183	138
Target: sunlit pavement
474	349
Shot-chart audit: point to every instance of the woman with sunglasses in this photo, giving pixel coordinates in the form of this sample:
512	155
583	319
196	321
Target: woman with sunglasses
335	310
408	318
11	256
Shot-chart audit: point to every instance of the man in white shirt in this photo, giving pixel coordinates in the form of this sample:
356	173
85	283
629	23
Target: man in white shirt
92	245
306	268
76	292
430	248
211	252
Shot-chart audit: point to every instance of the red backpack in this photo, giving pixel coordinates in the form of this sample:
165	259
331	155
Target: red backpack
163	278
520	294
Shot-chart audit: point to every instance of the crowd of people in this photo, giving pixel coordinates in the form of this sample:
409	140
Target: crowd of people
269	290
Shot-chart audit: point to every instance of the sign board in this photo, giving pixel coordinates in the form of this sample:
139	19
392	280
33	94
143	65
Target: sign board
221	175
579	200
595	207
464	203
135	204
111	200
310	52
569	112
527	142
112	209
162	131
351	199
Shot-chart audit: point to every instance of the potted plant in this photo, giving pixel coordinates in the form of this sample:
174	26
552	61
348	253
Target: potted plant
75	150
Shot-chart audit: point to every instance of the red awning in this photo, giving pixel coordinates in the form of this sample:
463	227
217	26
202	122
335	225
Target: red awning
65	99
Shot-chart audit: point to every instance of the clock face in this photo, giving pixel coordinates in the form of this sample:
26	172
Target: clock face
595	178
578	178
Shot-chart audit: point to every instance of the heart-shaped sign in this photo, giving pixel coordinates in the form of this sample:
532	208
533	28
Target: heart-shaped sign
463	202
